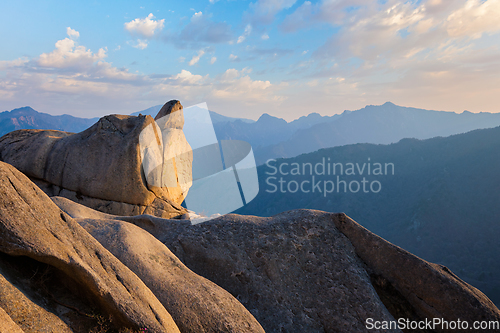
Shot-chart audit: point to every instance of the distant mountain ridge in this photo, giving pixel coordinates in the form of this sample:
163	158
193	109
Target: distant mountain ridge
273	137
379	124
216	118
441	203
268	130
27	118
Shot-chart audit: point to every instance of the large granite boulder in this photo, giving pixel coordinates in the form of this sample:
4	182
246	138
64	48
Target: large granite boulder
167	160
36	231
288	272
7	325
19	311
196	304
311	271
109	165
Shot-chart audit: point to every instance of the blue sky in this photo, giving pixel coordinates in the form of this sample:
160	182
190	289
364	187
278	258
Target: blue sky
244	58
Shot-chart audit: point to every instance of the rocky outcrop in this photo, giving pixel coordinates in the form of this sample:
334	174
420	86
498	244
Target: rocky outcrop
32	226
432	290
7	325
17	307
299	271
293	273
116	166
170	174
196	304
311	271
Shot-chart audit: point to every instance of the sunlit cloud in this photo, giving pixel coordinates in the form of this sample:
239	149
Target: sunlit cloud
145	27
246	33
196	58
53	77
139	44
474	19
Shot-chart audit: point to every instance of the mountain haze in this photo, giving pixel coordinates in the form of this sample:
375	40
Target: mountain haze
267	130
216	118
273	137
441	203
384	124
27	118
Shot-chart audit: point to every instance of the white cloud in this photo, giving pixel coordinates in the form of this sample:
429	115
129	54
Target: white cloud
233	57
145	27
196	58
187	77
73	34
197	16
234	85
139	44
95	87
69	54
246	33
264	37
213	60
475	18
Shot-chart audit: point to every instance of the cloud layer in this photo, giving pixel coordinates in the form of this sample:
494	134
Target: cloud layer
277	56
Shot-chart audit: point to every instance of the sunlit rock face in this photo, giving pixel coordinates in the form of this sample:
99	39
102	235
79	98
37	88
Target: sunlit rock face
122	165
166	154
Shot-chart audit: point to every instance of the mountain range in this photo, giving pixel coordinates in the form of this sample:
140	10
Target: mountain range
87	244
385	124
273	137
27	118
437	198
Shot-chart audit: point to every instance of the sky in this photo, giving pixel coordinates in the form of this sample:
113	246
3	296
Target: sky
286	58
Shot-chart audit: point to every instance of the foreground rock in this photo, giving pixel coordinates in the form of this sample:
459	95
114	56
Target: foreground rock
311	271
33	228
7	325
292	276
196	304
299	271
102	168
432	290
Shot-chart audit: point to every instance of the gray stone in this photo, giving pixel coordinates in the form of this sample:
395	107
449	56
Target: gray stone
31	225
196	304
102	166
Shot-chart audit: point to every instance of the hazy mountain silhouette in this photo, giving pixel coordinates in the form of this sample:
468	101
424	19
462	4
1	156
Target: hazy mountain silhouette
273	137
385	123
267	130
27	118
442	202
216	118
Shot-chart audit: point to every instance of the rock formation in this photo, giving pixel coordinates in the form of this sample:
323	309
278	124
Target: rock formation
32	226
102	167
65	267
167	165
196	304
311	271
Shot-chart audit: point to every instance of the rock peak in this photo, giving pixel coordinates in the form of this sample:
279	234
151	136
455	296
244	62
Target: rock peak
171	115
168	108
